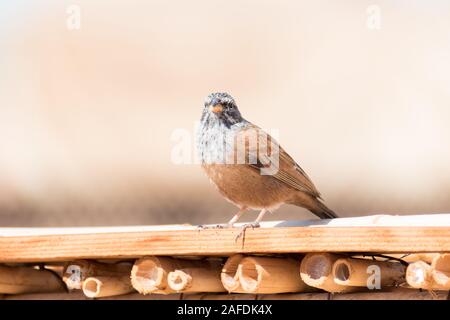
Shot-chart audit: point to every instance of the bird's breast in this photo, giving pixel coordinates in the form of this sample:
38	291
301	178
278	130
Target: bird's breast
245	187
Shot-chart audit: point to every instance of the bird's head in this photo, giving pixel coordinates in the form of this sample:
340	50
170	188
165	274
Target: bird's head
222	106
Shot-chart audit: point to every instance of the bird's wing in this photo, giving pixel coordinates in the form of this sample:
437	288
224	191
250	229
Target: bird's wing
265	149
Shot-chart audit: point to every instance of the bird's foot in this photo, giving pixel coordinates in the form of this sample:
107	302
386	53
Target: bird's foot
217	226
241	234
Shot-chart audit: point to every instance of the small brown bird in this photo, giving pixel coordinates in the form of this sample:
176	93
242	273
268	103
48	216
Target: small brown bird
248	166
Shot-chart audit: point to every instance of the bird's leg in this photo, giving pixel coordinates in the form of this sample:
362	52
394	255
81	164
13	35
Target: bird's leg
230	223
236	217
254	224
260	217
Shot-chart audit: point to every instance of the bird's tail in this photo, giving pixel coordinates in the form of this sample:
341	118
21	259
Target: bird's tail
322	211
314	205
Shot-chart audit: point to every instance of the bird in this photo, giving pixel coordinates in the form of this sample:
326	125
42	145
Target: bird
249	167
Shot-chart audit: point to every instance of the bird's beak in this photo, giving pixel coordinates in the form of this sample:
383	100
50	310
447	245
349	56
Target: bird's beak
216	108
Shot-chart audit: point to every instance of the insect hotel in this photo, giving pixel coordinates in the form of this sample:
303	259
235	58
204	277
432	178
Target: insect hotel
373	257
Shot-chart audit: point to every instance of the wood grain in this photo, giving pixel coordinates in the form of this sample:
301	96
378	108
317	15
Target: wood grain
122	245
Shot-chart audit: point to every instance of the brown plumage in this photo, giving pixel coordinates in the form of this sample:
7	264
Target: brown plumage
248	166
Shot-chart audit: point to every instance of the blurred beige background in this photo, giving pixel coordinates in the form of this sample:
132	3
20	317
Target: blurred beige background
87	116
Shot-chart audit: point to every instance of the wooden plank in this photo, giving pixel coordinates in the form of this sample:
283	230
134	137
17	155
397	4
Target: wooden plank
122	245
379	220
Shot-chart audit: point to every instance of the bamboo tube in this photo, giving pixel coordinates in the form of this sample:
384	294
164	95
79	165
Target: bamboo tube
431	277
198	279
229	275
420	275
357	272
441	270
57	269
270	275
316	271
407	257
149	274
426	257
16	280
75	272
103	286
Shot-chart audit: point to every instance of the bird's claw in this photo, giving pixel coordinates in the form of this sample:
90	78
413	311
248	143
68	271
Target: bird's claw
217	226
241	234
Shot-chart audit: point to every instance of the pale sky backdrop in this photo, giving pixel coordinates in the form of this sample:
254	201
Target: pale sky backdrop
86	116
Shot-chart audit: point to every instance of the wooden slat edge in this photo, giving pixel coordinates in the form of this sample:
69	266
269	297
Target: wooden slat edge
222	242
379	220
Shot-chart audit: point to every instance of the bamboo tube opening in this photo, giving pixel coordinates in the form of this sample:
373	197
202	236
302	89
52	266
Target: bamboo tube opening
316	271
229	275
442	262
441	270
179	280
317	267
441	278
418	275
229	282
149	274
249	275
91	287
104	286
341	271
